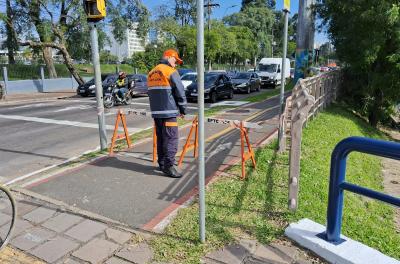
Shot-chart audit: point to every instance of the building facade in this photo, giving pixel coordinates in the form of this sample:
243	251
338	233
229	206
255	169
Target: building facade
132	43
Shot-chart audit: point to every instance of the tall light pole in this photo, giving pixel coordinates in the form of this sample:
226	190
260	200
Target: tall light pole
286	10
200	99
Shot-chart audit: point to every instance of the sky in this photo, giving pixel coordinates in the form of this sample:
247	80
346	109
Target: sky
231	6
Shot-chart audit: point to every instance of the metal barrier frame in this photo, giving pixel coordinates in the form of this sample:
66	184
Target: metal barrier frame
337	183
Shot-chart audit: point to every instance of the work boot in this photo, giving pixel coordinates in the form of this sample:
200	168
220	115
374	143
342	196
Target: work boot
161	167
172	172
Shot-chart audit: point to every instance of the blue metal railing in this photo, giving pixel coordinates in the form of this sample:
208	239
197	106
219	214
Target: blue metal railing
337	183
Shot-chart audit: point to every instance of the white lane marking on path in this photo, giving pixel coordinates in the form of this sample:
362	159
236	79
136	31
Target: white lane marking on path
137	155
61	122
31	105
219	149
229	103
80	107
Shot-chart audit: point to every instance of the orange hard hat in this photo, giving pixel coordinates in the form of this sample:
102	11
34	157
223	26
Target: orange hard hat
173	53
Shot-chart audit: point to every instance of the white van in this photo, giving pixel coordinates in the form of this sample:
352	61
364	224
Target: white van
269	69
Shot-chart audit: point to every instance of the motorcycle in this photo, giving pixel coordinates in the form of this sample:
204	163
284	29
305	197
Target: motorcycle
112	98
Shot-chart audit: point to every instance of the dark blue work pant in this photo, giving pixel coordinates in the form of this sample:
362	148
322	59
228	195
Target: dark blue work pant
167	140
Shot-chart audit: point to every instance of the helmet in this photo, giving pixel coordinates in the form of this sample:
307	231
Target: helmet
121	75
173	53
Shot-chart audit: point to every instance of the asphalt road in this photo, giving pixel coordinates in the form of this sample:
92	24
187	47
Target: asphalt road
38	135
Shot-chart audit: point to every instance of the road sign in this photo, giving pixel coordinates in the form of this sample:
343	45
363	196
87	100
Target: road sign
286	5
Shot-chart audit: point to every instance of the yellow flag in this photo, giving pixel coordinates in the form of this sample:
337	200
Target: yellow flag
286	5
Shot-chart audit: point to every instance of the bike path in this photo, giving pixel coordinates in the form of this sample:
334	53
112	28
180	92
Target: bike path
129	188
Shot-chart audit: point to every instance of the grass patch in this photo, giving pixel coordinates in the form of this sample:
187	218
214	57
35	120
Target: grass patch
267	94
257	207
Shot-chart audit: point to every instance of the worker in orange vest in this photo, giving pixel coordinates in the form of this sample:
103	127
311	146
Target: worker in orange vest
167	102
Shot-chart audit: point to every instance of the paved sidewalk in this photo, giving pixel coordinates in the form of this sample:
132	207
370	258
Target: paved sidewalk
46	234
31	97
252	252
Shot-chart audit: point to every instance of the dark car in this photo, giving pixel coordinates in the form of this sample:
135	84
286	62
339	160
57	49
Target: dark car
138	83
216	85
88	88
184	71
246	82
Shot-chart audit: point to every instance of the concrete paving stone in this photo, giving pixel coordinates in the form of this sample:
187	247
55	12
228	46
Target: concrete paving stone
39	215
232	254
69	261
32	238
4	219
267	253
86	230
249	244
96	250
115	260
289	251
19	227
140	253
5	205
25	207
54	249
118	236
62	222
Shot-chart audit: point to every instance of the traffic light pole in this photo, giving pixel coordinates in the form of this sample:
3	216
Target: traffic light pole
283	72
99	88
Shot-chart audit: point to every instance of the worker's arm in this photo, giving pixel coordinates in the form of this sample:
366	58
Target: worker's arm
178	92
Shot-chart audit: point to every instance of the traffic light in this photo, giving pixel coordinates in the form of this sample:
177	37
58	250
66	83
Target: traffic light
95	9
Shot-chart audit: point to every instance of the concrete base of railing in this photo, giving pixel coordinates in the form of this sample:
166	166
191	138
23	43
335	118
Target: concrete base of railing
307	233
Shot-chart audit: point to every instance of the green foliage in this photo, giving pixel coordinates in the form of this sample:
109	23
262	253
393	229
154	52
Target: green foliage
259	19
257	206
370	49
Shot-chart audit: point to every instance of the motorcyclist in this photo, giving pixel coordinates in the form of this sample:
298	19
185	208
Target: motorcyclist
122	85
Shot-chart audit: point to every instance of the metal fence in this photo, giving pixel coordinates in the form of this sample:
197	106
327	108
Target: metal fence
337	183
309	96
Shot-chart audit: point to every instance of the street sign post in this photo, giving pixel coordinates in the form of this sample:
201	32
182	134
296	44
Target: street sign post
96	11
200	99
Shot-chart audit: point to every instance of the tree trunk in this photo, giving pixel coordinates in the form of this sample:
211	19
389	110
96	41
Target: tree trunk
10	37
70	65
48	59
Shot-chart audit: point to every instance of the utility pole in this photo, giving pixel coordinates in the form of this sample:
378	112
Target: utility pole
209	5
286	10
304	38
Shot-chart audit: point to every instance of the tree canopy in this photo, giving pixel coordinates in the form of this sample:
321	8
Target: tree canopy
369	49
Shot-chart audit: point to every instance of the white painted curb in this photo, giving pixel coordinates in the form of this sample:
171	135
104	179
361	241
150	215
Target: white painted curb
304	233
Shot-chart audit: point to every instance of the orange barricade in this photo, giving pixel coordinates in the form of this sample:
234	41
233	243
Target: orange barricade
244	136
120	118
189	144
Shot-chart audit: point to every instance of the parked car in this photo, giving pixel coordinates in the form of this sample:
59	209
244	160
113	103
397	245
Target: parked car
89	88
246	82
292	70
137	83
216	85
184	71
188	78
